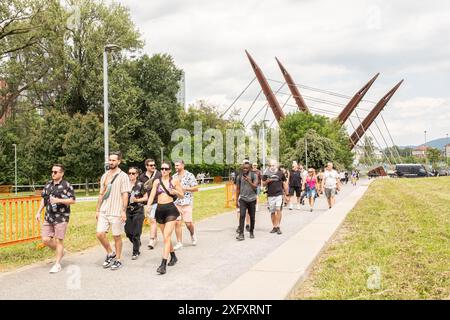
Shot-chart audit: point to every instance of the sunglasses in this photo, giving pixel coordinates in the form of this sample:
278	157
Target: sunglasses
165	169
151	165
55	172
132	173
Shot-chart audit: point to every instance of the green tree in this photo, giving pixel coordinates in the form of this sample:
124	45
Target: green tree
321	150
83	148
433	156
294	127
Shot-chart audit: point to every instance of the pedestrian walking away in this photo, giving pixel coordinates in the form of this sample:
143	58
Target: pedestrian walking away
185	205
354	179
111	210
319	182
304	174
148	177
310	187
135	211
246	185
277	186
167	190
331	184
57	196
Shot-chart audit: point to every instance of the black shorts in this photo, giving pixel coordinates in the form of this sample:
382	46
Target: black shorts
166	212
298	191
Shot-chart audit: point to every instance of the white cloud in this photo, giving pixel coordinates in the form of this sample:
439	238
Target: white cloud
332	45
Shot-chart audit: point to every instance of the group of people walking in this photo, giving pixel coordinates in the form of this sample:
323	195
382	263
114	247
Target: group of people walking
124	202
126	199
283	188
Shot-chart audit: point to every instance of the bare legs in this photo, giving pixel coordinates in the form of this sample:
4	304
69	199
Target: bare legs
57	245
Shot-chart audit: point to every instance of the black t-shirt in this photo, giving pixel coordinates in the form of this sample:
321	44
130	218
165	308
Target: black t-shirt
148	182
137	192
274	188
295	178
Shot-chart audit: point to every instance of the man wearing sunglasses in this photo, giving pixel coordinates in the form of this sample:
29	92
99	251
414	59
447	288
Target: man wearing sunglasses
147	178
57	197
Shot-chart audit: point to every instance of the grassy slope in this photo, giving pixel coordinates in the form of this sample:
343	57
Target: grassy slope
401	226
82	225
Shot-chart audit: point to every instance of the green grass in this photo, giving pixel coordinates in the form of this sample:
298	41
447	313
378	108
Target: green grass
402	227
82	226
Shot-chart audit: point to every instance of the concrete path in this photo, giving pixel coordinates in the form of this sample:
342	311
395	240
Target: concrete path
201	272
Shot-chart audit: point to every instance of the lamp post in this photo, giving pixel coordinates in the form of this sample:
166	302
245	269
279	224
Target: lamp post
306	153
425	145
446	153
264	145
15	168
107	48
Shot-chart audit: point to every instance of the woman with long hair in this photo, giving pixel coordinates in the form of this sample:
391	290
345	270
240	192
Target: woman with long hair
310	186
167	190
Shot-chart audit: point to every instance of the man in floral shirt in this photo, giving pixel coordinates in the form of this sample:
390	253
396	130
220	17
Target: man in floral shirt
185	205
57	197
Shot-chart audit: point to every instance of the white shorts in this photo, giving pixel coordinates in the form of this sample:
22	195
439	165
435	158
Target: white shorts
151	214
105	222
275	203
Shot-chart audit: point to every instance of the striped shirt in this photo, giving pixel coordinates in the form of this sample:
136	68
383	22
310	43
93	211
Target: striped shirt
113	205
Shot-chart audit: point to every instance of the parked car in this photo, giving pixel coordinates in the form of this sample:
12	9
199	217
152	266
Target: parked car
443	172
412	171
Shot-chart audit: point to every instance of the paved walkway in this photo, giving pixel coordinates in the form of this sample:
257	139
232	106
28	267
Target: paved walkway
201	272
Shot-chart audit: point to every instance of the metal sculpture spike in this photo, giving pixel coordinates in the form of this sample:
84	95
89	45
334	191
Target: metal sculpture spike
271	99
353	103
293	88
354	138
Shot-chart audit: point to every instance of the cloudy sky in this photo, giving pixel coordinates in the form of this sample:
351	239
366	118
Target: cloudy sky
330	45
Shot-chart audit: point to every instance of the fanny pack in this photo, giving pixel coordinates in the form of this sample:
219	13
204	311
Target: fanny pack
108	189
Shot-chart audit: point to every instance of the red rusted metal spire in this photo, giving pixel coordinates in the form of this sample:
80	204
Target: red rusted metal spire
271	99
354	138
294	89
345	114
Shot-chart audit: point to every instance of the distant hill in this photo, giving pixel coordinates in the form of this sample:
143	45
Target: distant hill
437	143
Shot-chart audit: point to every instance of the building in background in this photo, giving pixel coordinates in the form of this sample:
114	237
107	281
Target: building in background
446	151
420	152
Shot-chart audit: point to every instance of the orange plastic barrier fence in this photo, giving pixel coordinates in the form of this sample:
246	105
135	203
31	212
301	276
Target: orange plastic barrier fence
17	220
230	201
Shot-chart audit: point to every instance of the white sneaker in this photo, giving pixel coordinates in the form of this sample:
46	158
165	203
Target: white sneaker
291	207
194	240
152	244
179	245
56	268
298	206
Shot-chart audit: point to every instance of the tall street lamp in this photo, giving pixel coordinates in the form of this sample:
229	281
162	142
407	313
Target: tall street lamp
264	145
15	168
446	153
426	159
107	48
